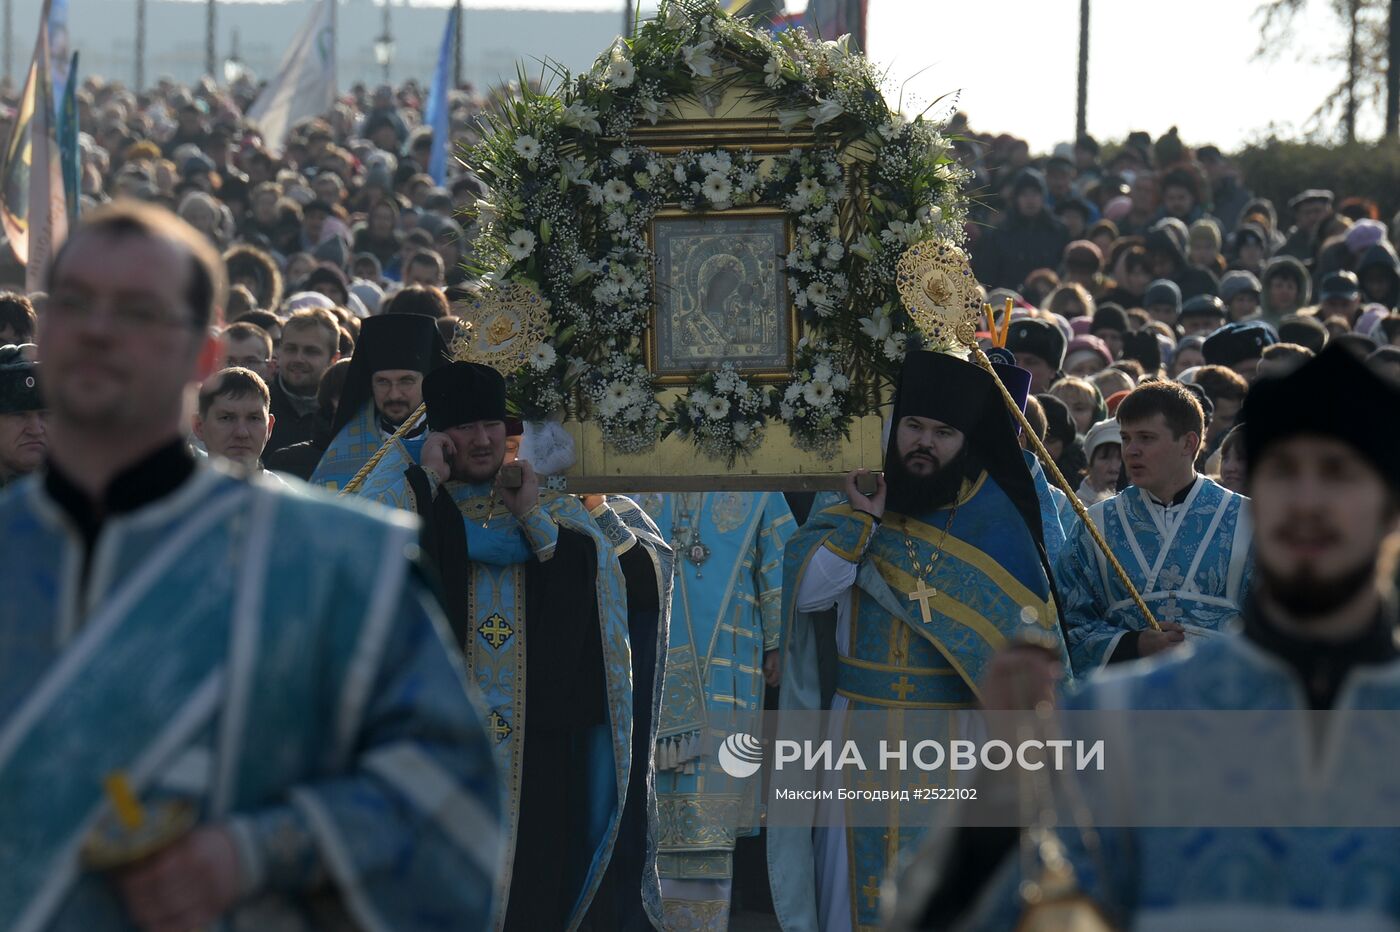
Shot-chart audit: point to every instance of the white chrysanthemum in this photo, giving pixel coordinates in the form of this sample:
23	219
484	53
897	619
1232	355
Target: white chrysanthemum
792	392
742	431
835	252
678	173
717	188
621	72
717	409
818	394
748	181
821	372
542	357
786	411
528	147
697	58
840	382
700	397
817	293
617	191
716	162
522	243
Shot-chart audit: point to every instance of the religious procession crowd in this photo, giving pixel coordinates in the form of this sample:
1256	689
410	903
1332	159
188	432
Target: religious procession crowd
227	697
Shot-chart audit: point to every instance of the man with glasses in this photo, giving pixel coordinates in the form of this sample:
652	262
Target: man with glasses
248	346
268	659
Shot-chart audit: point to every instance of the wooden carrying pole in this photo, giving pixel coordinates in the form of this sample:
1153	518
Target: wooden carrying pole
1058	478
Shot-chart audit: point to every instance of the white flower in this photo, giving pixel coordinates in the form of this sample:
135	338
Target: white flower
678	173
717	188
621	72
652	109
574	169
748	181
866	247
653	168
614	399
800	299
522	243
697	58
617	191
773	72
715	162
616	220
742	431
840	382
930	213
582	116
717	409
821	372
825	111
792	392
835	252
808	186
818	394
788	119
876	326
528	147
620	157
700	397
786	411
894	347
542	357
893	128
817	293
726	383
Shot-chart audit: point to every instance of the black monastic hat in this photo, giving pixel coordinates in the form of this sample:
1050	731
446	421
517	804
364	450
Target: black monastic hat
1333	395
389	341
462	393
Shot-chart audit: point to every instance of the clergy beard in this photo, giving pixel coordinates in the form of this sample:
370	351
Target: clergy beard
1306	598
913	495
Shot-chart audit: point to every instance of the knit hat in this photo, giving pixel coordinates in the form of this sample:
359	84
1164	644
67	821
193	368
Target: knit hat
1239	282
1029	178
1110	317
1106	431
1163	291
1088	347
1364	234
1084	255
1234	343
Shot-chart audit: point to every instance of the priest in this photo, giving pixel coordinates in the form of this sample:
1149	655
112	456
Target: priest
930	576
536	597
1319	634
383	388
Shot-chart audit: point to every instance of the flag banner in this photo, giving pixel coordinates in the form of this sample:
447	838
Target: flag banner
438	112
305	83
33	212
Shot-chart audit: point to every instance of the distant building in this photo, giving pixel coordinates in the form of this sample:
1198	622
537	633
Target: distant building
495	40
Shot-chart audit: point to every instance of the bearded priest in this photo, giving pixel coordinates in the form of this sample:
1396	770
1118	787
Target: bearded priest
930	576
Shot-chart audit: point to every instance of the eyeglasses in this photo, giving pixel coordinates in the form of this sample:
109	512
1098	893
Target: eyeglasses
127	317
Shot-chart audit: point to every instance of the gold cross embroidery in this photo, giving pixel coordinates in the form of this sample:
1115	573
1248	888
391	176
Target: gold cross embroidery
496	631
922	595
499	728
903	688
871	891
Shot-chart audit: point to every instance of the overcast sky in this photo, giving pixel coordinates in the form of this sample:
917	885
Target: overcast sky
1014	63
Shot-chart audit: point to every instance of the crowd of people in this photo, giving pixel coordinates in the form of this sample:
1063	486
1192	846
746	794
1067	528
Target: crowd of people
346	770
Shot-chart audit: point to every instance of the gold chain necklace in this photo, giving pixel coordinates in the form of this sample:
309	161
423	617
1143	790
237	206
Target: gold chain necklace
692	546
923	592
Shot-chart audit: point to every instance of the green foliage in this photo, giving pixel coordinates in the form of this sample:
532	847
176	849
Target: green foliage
1278	170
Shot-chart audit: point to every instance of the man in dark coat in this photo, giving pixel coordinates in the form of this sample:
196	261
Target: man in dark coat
1029	238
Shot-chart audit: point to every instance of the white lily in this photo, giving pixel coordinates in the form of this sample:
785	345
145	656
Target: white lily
580	116
825	111
876	326
697	58
789	119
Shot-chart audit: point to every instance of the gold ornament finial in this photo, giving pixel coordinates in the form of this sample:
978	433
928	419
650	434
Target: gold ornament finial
501	327
941	294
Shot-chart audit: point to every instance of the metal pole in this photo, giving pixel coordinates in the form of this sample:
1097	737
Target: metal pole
457	51
9	39
627	21
140	45
388	37
1081	118
210	30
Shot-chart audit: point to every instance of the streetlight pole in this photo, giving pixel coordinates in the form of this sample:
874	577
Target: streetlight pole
387	60
210	30
457	50
140	45
1081	117
9	38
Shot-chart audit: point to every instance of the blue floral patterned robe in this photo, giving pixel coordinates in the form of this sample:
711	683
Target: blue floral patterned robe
267	655
1192	564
